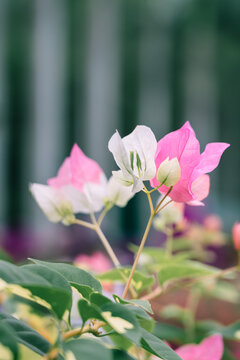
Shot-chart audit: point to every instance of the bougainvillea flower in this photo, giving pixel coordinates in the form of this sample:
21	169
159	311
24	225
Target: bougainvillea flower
134	155
53	203
82	181
117	193
210	348
81	186
193	185
236	235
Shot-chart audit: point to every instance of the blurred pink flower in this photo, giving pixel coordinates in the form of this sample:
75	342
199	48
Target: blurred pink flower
194	184
210	348
236	235
212	223
97	262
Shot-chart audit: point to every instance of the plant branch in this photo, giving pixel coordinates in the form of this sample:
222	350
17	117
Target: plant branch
84	223
138	255
162	200
89	328
104	212
155	293
106	245
149	199
96	226
52	354
153	212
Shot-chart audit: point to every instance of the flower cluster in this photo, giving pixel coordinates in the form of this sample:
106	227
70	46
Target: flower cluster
79	187
173	165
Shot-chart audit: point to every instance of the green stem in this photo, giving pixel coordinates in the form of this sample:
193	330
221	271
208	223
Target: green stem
106	245
138	255
160	203
103	213
83	223
153	212
96	226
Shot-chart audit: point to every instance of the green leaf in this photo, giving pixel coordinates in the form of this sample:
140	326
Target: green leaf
88	311
148	325
36	285
8	343
175	312
25	335
121	319
84	290
157	347
55	280
182	243
53	277
86	349
144	304
76	277
230	332
140	281
184	270
121	355
222	290
5	256
99	299
27	354
159	255
138	312
204	328
169	332
143	318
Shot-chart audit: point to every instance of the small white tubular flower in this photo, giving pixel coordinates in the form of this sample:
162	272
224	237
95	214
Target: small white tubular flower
134	154
53	203
118	194
170	215
169	172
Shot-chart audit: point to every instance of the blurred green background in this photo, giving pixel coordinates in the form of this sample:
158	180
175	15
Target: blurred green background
75	70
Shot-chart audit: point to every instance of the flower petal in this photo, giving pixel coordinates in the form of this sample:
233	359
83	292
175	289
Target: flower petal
77	198
86	201
83	169
183	145
200	189
117	148
210	349
95	194
134	154
142	141
118	194
63	177
52	202
210	158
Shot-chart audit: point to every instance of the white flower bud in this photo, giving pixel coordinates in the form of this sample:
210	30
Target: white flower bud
169	172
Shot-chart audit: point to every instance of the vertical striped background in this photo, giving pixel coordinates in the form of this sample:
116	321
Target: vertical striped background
75	70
